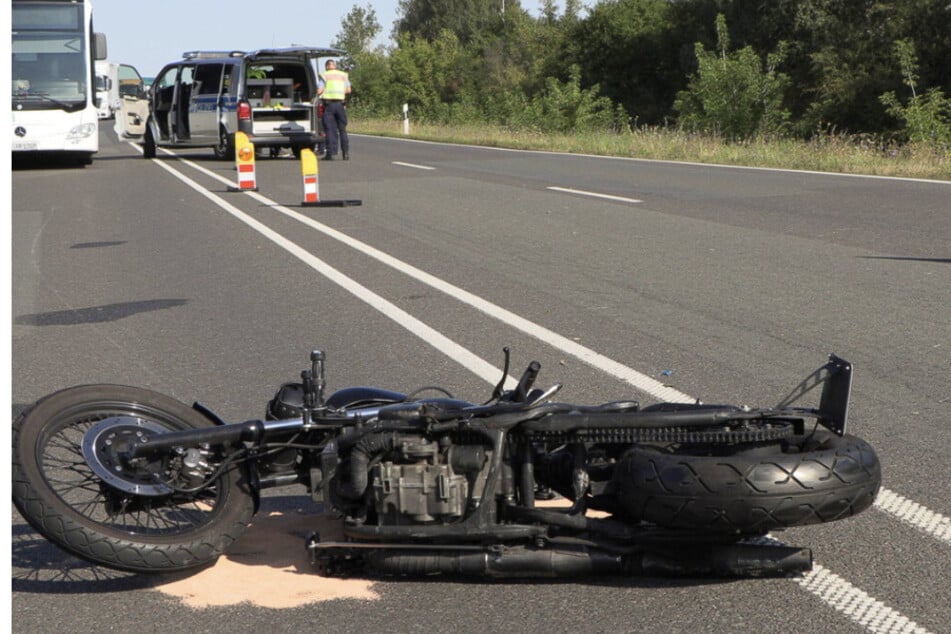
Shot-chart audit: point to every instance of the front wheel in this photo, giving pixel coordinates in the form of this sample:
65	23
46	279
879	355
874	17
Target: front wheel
144	519
808	479
224	150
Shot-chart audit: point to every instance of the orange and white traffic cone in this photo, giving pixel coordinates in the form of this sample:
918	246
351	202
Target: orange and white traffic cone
244	161
310	174
308	169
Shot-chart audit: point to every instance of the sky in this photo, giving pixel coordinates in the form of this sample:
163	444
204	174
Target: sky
151	33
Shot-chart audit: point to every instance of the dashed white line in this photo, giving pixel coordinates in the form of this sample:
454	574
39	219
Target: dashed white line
413	165
581	192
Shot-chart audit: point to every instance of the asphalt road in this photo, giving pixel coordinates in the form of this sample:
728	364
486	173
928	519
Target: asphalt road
725	284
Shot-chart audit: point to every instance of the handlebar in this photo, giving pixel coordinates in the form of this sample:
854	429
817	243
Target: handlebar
520	395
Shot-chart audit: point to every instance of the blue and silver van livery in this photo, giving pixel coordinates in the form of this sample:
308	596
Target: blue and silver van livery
207	96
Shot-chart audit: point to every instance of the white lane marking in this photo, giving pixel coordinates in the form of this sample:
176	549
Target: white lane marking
631	159
413	165
915	514
632	377
856	604
581	192
830	588
451	349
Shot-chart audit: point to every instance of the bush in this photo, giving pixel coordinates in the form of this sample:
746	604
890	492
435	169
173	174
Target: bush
927	118
732	95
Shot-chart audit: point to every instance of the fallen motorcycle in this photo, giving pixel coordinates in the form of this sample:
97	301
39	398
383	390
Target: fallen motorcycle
134	480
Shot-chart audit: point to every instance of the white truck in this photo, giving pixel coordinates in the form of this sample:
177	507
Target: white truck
107	88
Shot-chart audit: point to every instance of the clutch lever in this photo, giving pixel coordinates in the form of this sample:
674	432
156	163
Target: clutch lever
544	396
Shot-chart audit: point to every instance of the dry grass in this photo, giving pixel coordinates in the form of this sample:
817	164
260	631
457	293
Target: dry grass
843	154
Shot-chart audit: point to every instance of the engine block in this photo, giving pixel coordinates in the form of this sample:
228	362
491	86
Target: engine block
417	493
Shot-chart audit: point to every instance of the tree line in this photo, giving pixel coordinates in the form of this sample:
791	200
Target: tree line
737	69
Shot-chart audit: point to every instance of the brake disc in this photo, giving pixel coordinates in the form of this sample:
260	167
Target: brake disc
102	446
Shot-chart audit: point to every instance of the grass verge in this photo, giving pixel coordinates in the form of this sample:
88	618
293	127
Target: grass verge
834	153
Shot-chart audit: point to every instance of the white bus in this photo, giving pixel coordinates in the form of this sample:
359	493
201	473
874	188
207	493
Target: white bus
53	75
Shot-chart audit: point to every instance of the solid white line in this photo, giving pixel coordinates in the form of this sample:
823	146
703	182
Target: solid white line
450	348
413	165
632	377
581	192
856	604
832	589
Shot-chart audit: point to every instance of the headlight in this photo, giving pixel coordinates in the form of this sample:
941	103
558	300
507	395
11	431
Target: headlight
82	131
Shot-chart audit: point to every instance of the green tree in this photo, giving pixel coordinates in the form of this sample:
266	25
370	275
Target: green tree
369	67
847	43
357	31
629	49
732	94
469	20
426	74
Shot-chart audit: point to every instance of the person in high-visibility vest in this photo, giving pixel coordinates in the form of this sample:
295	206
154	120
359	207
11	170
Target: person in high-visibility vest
333	88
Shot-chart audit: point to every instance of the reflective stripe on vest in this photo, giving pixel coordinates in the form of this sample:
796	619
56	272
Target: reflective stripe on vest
335	85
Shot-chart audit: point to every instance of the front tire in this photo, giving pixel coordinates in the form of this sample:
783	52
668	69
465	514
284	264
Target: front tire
808	480
225	149
65	499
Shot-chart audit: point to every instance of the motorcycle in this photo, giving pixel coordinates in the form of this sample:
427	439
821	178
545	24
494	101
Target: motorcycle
134	480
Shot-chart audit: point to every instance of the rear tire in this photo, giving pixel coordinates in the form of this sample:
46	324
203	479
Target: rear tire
809	480
63	498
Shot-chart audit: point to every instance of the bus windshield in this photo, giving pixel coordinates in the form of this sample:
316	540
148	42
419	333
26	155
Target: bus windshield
49	56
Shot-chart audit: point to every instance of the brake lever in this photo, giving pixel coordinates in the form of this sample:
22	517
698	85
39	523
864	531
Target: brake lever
499	390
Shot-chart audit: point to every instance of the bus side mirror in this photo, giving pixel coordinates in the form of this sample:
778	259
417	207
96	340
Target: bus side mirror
100	48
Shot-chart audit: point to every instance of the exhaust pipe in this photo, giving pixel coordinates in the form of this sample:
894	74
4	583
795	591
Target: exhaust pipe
733	560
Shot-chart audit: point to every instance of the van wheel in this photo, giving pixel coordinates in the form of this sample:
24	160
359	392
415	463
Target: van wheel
148	144
225	148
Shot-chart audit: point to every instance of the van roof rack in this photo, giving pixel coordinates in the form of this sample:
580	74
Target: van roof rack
211	54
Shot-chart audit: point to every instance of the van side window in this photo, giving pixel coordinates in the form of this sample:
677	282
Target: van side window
208	79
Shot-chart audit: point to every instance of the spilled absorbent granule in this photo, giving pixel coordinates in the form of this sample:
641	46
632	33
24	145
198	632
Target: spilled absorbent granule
269	566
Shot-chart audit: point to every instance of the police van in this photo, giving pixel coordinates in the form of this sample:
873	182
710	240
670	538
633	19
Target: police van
207	96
